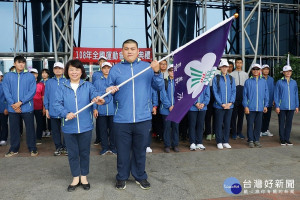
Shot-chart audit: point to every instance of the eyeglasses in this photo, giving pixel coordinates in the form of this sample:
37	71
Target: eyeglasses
255	69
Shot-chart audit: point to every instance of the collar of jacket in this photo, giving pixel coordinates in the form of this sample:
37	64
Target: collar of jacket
283	78
265	77
126	62
68	83
255	78
59	78
24	71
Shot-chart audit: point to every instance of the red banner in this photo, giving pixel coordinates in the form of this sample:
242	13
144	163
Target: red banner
113	55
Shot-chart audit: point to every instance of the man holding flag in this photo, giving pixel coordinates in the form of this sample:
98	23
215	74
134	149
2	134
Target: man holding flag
132	120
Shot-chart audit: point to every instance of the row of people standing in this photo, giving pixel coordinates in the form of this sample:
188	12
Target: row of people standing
234	95
128	118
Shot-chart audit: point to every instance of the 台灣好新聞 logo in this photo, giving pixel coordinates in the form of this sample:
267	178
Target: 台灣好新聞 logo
232	186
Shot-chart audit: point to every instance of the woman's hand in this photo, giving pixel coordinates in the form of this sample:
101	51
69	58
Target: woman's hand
98	100
70	116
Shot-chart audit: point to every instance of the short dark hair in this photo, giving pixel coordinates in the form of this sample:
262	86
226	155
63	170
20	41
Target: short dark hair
19	59
47	71
238	58
77	64
130	41
229	62
12	68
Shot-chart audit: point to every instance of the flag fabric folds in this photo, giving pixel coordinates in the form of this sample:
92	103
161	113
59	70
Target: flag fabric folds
195	65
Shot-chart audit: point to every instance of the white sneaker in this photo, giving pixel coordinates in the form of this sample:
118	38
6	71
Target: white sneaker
264	133
48	134
44	134
193	147
261	133
148	150
3	143
268	133
200	146
226	145
220	146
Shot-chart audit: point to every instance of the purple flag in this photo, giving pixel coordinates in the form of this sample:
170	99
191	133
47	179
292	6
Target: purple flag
194	66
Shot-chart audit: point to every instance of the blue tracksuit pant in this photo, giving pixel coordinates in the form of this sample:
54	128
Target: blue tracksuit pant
131	142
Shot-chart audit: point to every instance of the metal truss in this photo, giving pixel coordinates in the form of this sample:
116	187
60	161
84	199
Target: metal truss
63	27
20	23
160	39
158	25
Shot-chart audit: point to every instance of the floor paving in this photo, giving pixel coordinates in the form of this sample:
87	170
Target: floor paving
184	175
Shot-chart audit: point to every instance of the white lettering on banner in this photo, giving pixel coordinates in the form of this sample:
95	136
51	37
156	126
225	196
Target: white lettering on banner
178	79
108	55
95	55
76	52
101	53
87	54
147	54
177	66
179	96
121	56
141	55
115	55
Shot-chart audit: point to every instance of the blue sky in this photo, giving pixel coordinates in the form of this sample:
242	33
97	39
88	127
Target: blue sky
96	25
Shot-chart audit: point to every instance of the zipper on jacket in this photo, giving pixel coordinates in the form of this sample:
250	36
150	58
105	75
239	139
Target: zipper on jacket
225	89
18	87
77	111
172	95
117	107
288	83
133	96
256	94
106	109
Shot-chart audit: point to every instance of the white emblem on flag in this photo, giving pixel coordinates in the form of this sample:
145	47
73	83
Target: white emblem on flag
198	71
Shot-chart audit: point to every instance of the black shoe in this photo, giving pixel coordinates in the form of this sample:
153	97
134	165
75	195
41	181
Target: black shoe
38	142
289	143
121	185
64	151
144	184
86	186
72	188
167	149
176	149
282	143
97	142
57	152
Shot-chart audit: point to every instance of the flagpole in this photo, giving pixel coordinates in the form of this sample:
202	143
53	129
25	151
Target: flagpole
120	85
164	58
207	32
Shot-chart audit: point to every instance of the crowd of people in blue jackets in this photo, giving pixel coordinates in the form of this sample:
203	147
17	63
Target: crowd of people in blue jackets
128	118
